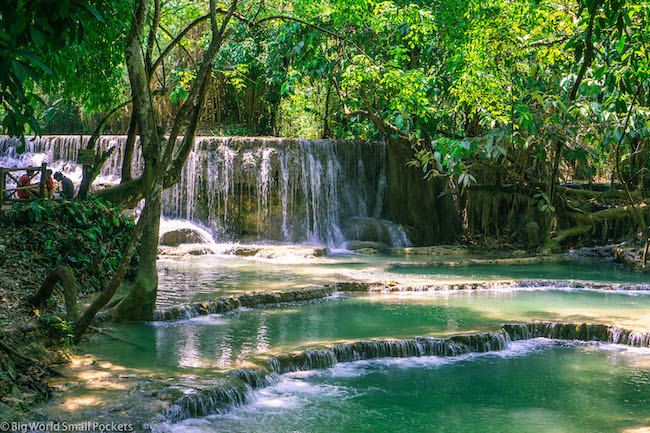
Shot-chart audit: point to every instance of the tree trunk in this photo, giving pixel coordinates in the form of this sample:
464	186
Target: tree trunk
115	281
326	115
90	173
129	147
140	303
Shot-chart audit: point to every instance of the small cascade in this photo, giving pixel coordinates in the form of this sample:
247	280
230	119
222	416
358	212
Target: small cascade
207	401
255	377
489	285
581	332
225	304
249	188
374	349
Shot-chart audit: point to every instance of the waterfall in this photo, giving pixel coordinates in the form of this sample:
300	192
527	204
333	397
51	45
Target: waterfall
250	188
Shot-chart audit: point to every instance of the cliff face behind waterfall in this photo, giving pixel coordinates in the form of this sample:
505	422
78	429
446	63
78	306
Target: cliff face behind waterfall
251	188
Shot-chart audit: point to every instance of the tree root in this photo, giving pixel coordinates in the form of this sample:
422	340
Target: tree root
588	221
64	275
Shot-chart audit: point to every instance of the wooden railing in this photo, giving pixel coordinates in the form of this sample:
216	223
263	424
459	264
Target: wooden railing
8	195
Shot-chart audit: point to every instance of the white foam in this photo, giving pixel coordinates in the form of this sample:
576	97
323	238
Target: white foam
620	348
212	319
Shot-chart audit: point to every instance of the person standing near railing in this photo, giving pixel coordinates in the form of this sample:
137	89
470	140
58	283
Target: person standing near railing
25	181
49	183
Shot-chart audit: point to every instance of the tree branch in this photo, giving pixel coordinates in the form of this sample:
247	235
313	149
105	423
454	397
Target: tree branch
589	45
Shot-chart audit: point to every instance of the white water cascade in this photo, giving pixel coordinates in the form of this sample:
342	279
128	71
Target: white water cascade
250	188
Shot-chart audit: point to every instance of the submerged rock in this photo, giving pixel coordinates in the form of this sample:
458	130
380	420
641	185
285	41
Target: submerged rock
246	250
183	249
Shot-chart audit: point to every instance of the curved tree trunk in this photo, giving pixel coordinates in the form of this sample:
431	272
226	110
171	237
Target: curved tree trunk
62	274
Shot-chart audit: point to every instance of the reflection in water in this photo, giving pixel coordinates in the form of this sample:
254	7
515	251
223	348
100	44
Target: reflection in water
233	338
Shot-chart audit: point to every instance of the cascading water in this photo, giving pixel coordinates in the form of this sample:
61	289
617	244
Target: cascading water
61	154
248	189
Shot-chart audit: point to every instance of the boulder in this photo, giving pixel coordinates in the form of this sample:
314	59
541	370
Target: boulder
246	250
366	229
367	251
176	237
375	230
364	245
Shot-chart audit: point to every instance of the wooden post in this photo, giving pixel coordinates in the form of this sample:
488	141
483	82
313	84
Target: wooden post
2	186
41	188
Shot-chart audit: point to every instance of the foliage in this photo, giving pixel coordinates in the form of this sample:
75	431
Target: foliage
88	236
34	35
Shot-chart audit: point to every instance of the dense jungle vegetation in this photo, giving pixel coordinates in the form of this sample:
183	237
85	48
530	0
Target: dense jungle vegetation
516	97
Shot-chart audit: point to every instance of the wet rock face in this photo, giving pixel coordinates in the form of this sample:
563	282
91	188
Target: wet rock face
180	236
531	235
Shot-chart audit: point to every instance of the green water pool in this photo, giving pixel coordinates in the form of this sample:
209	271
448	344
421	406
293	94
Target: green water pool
200	278
533	386
537	386
571	270
231	339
